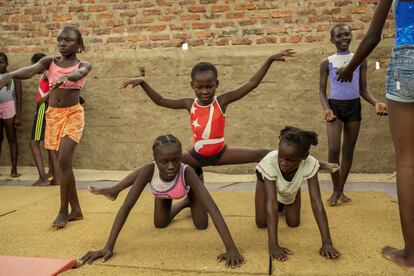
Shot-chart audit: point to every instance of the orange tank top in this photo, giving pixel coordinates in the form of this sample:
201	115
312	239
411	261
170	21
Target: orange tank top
207	124
55	72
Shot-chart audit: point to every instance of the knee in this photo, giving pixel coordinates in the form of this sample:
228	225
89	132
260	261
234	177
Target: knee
159	223
261	223
201	224
64	164
293	223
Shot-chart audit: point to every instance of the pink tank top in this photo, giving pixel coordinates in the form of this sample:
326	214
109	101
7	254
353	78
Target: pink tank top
55	72
175	189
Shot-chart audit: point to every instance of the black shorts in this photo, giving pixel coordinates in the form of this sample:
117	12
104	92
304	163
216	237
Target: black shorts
39	123
260	177
346	110
207	160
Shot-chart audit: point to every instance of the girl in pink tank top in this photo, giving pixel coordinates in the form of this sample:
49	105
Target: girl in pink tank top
170	179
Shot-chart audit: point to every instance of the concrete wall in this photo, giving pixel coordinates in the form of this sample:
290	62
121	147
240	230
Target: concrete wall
121	125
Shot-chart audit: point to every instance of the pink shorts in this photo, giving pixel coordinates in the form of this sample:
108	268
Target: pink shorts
7	110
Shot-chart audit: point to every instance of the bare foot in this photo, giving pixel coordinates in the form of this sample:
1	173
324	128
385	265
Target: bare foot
75	215
397	256
41	182
15	174
333	200
60	220
103	191
344	199
49	174
332	167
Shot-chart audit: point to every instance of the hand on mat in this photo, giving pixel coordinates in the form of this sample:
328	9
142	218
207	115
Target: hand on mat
343	75
329	251
5	80
232	257
279	253
132	82
381	109
91	256
283	55
329	116
62	80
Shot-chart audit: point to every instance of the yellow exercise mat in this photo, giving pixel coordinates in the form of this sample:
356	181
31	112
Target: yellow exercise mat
359	230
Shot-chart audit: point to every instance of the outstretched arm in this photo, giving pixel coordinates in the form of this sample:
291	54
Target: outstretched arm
183	103
26	72
232	256
83	71
272	219
121	217
380	108
327	248
328	114
229	97
369	42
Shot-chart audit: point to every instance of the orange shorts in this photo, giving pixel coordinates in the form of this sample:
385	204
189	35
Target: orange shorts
61	122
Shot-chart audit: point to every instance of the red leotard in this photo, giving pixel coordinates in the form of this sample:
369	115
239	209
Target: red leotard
207	124
43	88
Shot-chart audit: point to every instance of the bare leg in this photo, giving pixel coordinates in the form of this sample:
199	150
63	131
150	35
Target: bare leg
240	155
53	160
334	144
112	192
260	204
292	211
37	156
66	180
75	209
50	172
402	130
165	211
12	139
351	131
162	212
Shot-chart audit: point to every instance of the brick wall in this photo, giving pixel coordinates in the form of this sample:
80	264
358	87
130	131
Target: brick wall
31	25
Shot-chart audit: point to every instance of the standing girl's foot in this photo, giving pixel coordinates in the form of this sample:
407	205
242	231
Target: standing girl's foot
107	192
344	199
333	200
49	174
398	257
41	182
60	220
14	174
75	215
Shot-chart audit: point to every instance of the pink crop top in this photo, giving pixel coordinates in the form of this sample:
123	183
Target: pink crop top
175	189
55	72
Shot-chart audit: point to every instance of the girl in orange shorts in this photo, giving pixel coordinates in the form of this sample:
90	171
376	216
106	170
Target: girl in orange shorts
65	116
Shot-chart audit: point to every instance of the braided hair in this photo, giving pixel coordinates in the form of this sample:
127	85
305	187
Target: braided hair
165	139
302	139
